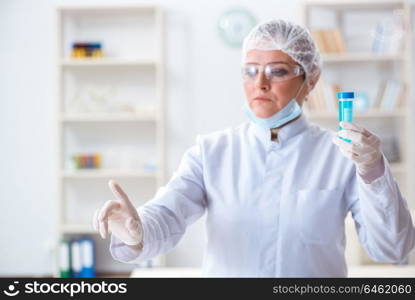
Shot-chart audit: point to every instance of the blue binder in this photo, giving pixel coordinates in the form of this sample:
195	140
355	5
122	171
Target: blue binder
76	263
87	247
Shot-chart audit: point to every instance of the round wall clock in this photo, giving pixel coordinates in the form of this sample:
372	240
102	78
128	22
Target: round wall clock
234	25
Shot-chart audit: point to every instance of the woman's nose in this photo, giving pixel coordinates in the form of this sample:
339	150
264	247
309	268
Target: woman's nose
261	82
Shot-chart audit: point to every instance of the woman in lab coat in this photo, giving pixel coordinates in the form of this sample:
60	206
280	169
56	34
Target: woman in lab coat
276	189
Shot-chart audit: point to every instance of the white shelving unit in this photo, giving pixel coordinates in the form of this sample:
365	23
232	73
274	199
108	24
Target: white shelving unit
359	57
104	62
114	117
336	12
133	66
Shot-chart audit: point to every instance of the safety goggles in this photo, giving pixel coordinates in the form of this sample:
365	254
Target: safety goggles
274	72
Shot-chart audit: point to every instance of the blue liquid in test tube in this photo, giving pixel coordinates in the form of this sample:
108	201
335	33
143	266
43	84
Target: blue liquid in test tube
345	109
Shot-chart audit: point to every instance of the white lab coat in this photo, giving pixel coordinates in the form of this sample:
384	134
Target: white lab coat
274	209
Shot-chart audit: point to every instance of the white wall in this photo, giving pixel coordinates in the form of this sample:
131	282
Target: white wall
203	94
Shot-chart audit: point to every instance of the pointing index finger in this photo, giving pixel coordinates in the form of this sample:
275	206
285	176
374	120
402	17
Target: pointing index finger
117	191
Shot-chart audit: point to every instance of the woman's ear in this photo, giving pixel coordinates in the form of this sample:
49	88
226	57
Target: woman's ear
309	87
312	83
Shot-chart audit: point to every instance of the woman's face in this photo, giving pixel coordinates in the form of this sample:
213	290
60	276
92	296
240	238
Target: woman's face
266	97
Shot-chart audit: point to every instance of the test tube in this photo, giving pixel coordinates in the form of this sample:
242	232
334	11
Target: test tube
345	109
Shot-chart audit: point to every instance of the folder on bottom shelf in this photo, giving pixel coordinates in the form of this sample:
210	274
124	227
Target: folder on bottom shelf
76	263
88	258
64	259
83	258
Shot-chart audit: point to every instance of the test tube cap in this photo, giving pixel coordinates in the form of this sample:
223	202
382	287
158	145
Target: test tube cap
345	95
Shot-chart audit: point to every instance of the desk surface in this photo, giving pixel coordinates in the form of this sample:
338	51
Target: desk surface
354	271
166	272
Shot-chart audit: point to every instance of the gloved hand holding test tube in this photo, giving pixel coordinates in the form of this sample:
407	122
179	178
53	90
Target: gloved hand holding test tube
358	143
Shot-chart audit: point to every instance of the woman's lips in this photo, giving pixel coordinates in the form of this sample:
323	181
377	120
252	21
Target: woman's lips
262	99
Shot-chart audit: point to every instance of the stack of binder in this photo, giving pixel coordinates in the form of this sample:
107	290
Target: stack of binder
77	258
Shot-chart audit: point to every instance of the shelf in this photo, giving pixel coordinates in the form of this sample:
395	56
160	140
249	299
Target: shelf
107	173
354	18
107	62
359	57
349	5
82	9
108	117
132	37
362	115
